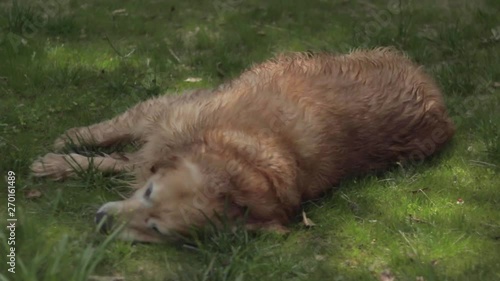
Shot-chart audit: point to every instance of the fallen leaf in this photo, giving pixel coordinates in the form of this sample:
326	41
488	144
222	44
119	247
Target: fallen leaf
496	84
121	12
319	257
32	193
220	72
420	278
495	36
387	276
193	79
306	220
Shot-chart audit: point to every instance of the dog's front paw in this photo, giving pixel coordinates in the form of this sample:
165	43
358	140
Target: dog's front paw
54	166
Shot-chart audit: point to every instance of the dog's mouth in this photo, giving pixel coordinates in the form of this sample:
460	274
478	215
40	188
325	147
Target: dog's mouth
104	222
109	220
109	225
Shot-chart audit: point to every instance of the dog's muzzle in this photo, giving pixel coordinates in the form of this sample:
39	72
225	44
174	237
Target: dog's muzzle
104	222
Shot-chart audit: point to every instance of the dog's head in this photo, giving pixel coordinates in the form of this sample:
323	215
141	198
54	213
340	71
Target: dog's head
181	193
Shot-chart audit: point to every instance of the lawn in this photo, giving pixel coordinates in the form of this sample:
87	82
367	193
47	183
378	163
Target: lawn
66	63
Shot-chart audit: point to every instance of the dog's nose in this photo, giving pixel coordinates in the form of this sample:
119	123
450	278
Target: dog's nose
104	222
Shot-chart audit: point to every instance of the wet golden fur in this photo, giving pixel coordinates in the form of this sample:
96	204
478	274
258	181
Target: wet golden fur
285	131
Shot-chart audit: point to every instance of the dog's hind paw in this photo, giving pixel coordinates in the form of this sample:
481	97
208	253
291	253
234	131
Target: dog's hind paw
52	165
74	136
69	137
60	143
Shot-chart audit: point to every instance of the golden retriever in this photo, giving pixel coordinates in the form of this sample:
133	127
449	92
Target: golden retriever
285	131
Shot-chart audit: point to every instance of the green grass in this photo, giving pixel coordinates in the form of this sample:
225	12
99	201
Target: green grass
68	63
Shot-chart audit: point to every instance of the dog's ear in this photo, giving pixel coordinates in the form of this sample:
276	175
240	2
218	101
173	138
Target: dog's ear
170	162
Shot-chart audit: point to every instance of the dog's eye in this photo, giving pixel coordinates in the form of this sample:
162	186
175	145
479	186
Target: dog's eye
155	228
148	192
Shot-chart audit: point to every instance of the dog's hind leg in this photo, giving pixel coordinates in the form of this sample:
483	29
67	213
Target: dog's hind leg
125	127
61	166
121	129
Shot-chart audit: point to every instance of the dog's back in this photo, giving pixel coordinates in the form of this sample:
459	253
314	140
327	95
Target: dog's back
338	115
